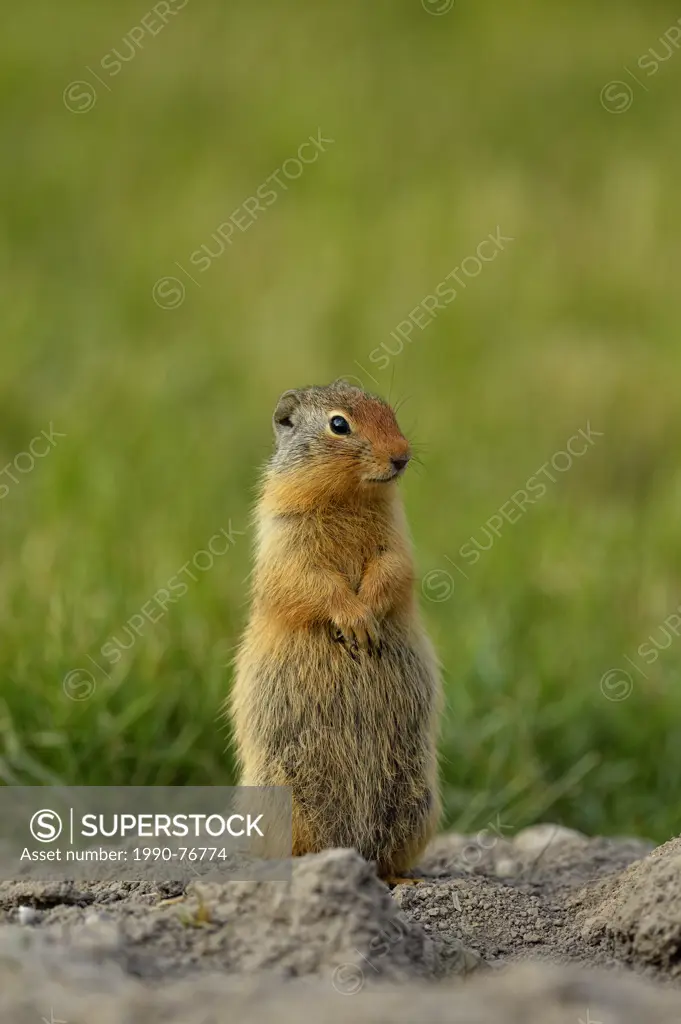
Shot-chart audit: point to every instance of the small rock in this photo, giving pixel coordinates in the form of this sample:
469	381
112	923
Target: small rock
540	837
506	868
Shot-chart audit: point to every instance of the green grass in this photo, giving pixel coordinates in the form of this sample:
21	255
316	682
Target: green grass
444	128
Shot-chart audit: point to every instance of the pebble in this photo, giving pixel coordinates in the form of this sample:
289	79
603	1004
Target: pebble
506	868
27	915
93	919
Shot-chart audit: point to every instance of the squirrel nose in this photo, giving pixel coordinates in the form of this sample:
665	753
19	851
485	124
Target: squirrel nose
399	462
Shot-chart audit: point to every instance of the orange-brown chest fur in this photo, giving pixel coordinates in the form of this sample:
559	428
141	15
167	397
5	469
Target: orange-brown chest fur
341	537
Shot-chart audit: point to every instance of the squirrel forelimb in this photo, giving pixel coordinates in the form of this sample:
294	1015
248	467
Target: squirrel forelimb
386	583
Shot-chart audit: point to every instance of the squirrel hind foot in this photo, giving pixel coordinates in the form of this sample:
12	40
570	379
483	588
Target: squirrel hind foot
392	880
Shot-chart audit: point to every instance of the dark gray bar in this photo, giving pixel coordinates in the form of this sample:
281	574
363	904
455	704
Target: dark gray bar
145	833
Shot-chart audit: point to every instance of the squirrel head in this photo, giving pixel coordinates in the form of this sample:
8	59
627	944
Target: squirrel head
337	440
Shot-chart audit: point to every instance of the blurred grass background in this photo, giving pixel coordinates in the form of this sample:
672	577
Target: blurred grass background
444	128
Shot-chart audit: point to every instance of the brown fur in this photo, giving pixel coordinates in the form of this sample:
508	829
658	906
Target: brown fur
337	688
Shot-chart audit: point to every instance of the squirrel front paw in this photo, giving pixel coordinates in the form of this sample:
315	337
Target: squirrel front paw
359	634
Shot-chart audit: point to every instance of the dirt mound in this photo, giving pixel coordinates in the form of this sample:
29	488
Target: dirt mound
637	917
335	913
271	950
547	856
46	982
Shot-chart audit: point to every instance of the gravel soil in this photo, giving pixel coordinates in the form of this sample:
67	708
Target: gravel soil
549	926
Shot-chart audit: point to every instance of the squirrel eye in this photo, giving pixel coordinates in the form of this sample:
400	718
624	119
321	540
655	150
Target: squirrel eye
339	425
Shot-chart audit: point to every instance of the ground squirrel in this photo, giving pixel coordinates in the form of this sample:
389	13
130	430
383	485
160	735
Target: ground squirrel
337	688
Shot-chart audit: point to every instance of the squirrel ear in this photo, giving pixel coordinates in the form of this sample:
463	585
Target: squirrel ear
286	405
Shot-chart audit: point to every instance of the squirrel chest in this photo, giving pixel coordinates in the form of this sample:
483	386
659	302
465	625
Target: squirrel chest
344	543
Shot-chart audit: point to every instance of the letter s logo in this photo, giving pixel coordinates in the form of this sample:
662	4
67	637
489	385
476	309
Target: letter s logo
46	826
